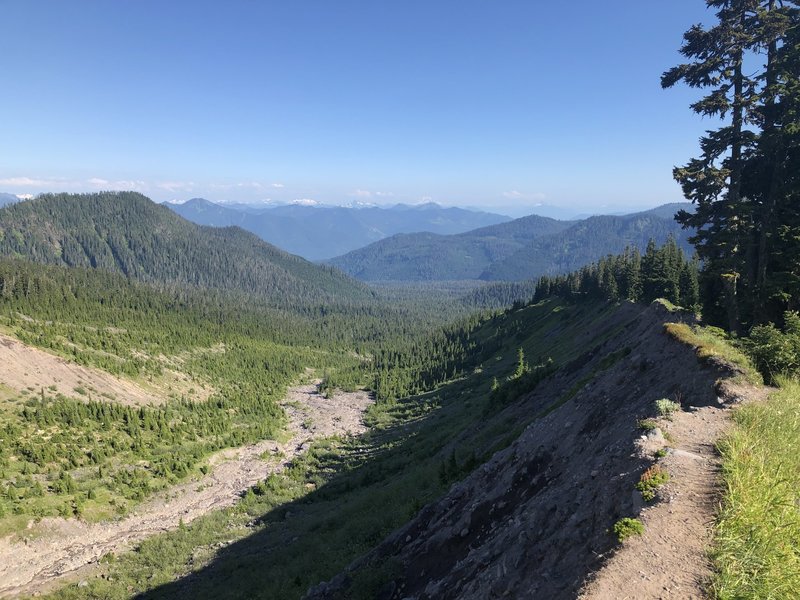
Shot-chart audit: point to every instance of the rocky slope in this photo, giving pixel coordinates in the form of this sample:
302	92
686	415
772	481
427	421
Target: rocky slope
535	520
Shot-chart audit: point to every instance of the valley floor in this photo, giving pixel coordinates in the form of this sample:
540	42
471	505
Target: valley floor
56	550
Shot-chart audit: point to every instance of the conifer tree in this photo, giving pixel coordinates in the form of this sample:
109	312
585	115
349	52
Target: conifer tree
745	184
772	177
714	181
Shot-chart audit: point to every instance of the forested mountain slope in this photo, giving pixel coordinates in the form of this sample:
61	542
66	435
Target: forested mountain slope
538	517
521	249
8	199
579	375
127	233
583	243
427	257
322	232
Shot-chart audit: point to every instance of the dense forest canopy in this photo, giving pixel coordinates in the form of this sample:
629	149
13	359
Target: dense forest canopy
127	233
521	249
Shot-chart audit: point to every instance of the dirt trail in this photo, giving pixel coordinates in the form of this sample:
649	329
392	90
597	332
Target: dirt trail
670	560
61	547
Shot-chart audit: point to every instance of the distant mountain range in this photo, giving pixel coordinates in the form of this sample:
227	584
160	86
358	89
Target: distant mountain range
316	232
7	199
126	232
521	249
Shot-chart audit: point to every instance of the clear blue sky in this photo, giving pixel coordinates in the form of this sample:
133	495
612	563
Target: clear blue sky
493	103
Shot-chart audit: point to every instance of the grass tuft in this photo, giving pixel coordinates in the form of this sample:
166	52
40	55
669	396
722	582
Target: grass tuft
666	407
652	479
647	425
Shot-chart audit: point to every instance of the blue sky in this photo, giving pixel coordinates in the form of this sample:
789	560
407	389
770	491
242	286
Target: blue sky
490	103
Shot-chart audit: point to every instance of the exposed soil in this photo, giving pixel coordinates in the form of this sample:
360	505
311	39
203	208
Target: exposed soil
23	367
670	560
58	549
536	520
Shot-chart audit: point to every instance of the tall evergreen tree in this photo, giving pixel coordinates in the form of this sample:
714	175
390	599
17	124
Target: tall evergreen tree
744	184
689	285
771	178
714	181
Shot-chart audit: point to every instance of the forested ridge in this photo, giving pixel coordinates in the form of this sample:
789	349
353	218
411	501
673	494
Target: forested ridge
525	248
585	242
663	272
323	232
127	233
430	257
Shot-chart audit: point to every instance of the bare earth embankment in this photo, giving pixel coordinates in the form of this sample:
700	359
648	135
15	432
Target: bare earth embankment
60	548
536	520
24	367
670	560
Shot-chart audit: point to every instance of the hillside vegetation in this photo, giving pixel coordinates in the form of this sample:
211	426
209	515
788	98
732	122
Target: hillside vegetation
296	534
127	233
76	452
83	453
758	535
522	249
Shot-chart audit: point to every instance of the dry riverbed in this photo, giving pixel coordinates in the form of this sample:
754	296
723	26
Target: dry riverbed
56	549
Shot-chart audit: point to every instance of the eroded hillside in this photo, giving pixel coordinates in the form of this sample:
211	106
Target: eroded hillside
505	479
535	520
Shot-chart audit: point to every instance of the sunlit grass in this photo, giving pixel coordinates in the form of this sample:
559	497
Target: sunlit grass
757	551
711	342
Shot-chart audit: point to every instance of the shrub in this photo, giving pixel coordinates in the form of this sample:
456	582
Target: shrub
776	353
626	527
652	479
647	424
666	407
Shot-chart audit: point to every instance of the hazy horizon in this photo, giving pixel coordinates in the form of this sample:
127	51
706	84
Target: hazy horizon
504	107
574	211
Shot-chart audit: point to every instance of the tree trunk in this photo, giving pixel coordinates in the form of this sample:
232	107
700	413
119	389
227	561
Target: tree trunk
733	198
729	283
772	152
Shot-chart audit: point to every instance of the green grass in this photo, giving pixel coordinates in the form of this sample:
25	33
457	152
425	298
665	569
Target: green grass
666	407
668	305
757	548
647	425
712	342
